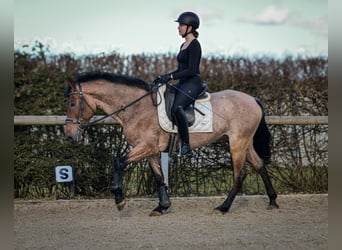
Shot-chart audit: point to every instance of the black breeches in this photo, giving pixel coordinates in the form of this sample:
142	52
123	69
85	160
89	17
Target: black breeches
186	93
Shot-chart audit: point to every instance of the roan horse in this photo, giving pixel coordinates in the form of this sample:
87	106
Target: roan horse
131	102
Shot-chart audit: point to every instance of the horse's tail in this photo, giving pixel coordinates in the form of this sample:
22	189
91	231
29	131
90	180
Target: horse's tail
262	138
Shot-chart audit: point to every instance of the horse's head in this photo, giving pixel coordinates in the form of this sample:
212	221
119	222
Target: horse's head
79	112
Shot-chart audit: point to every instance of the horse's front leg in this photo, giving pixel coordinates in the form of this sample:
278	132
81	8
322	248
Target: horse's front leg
164	200
139	152
117	189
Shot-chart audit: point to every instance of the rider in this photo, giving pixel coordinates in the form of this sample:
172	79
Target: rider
188	74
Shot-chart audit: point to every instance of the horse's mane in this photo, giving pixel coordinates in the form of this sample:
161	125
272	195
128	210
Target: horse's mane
119	79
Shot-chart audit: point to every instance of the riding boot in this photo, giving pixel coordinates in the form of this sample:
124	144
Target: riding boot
183	130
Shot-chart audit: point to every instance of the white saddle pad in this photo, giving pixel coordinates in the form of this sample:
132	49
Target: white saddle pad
202	123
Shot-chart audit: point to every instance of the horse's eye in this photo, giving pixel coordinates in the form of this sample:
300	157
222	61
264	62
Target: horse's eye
72	104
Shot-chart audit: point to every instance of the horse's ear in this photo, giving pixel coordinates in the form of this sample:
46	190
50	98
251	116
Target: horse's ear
69	86
69	82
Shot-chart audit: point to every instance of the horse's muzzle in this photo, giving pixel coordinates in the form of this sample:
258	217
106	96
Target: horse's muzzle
76	138
73	133
71	139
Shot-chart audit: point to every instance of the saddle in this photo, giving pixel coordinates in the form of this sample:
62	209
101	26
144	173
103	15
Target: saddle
169	97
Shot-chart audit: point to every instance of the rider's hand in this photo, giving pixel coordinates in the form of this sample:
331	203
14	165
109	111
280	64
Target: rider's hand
165	78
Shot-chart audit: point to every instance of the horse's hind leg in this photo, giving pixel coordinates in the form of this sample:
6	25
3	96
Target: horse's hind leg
259	166
238	180
238	159
164	200
269	187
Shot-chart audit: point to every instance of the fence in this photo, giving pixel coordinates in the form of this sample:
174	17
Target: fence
299	140
274	120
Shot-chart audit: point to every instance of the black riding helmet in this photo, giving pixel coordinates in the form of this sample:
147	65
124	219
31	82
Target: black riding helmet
189	18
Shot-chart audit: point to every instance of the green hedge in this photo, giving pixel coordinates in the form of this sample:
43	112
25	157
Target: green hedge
289	86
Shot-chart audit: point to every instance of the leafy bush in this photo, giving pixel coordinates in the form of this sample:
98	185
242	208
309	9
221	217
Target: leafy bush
289	86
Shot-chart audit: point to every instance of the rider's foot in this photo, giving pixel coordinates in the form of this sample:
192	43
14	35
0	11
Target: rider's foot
185	149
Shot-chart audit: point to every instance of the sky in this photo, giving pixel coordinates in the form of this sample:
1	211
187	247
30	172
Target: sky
245	27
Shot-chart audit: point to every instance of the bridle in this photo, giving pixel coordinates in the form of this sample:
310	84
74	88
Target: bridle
79	121
71	120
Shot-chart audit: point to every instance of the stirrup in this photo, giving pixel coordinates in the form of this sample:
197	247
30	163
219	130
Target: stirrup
184	149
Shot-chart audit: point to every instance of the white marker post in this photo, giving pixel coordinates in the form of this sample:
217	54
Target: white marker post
165	166
65	174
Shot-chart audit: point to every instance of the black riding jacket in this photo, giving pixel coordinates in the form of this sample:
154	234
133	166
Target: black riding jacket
188	61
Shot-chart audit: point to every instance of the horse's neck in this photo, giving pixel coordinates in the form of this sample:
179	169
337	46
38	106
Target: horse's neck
117	98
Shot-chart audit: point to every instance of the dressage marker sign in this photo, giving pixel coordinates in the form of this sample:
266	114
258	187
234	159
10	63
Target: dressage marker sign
64	175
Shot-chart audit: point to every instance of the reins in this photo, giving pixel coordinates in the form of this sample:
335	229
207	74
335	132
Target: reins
119	110
154	86
84	126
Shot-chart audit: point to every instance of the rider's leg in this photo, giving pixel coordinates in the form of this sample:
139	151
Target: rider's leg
185	95
183	130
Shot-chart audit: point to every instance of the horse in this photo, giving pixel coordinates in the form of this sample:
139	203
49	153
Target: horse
132	103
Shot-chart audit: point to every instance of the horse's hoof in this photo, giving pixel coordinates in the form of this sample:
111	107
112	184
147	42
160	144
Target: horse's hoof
218	211
271	207
121	205
156	213
159	210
